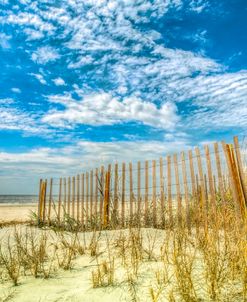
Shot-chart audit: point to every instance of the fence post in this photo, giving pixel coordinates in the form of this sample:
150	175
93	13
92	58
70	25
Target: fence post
123	194
186	191
131	192
234	180
139	189
59	199
154	193
87	197
242	177
115	197
211	182
192	174
78	197
162	194
65	195
107	197
44	199
202	186
91	196
101	193
219	172
82	199
146	192
40	201
169	190
96	194
50	201
73	197
178	189
69	192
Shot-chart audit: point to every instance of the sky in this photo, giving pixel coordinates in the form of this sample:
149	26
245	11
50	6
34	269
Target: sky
90	82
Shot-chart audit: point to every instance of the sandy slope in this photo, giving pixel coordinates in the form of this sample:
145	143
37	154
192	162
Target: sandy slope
76	284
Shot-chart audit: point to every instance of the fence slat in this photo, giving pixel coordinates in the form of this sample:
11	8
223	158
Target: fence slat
139	189
107	197
44	200
101	193
146	191
91	196
69	192
169	189
232	178
202	186
96	194
73	197
192	174
178	193
123	194
115	197
219	171
154	192
237	180
240	168
59	199
131	192
82	199
64	196
50	200
40	200
87	198
162	194
78	197
186	190
211	181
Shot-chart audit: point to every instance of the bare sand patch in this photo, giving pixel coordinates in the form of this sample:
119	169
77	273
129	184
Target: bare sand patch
16	212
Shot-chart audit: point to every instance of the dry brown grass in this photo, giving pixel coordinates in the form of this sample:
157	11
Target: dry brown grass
195	264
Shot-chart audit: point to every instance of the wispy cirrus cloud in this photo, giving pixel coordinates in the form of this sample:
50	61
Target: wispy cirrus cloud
219	100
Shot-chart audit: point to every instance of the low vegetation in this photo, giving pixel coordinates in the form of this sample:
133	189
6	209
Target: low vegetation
206	262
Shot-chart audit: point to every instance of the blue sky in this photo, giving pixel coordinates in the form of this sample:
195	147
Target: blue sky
85	82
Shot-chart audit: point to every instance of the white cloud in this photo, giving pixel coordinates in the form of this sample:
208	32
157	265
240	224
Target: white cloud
39	77
14	118
198	5
4	41
6	101
33	34
59	82
103	109
45	54
29	19
16	90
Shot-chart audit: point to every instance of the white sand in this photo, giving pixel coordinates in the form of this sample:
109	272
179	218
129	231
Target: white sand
16	212
76	285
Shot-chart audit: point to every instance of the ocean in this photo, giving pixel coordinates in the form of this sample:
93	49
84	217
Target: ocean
18	199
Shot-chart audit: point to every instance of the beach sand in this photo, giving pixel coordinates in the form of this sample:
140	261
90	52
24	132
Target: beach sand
16	212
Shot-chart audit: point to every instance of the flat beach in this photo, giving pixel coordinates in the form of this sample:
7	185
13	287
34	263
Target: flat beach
16	212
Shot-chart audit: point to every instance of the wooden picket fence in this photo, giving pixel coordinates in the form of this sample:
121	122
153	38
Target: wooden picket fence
175	190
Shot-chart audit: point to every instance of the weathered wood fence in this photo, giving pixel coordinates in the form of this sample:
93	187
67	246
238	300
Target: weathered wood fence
178	188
